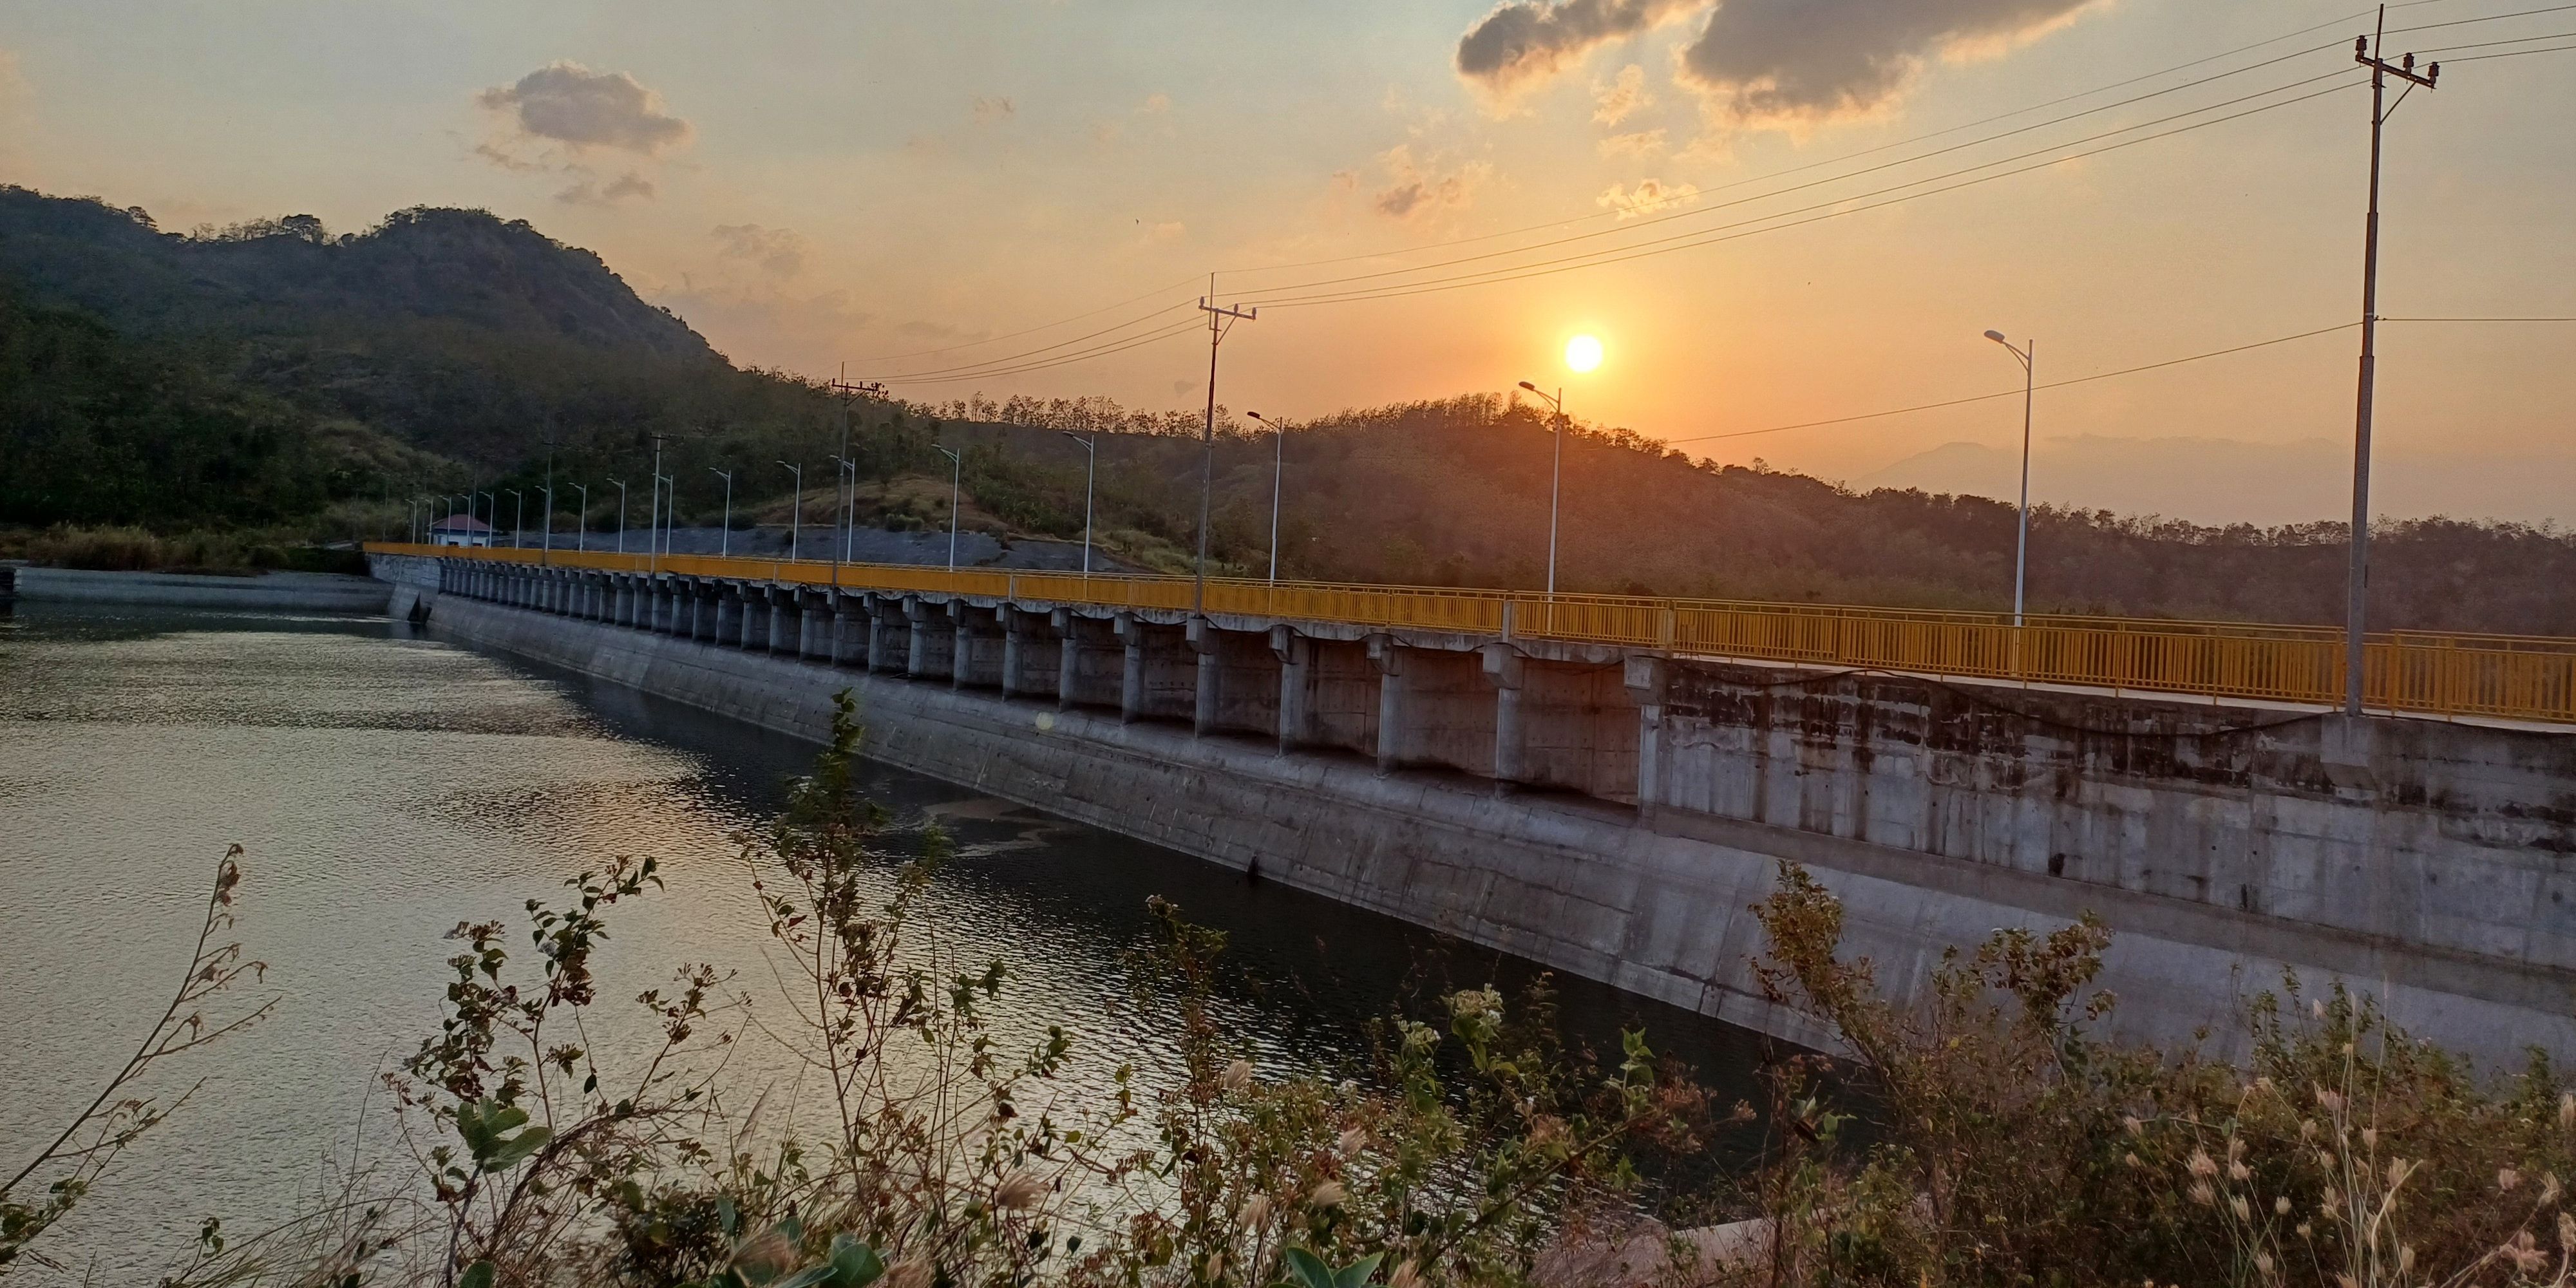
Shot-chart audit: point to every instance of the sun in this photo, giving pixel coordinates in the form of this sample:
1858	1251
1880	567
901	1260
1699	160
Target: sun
1583	353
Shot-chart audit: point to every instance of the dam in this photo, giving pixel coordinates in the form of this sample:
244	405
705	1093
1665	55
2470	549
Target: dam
1609	797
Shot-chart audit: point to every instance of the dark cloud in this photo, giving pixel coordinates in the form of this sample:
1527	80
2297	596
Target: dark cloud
568	103
1525	40
1792	60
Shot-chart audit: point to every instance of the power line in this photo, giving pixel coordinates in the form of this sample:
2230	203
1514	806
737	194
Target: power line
1009	335
1031	353
2007	393
1270	294
1061	360
1919	138
1704	237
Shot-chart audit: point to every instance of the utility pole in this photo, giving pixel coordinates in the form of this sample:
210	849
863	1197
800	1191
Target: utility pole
2029	357
549	555
956	477
1221	319
724	546
652	543
2365	51
1091	471
796	511
1278	472
581	530
849	515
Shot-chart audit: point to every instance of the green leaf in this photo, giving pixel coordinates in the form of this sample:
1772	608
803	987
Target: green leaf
481	1273
854	1264
726	1214
1358	1272
1309	1270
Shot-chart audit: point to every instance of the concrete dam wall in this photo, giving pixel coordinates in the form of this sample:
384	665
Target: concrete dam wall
1615	812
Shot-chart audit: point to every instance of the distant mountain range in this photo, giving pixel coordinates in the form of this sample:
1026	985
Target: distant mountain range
2225	480
279	373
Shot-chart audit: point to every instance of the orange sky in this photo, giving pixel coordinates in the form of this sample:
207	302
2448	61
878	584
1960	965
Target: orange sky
810	184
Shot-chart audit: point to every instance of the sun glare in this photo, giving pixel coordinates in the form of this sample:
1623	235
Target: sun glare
1583	353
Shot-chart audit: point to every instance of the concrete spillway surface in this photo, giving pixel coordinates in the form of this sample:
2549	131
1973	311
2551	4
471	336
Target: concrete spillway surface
1614	811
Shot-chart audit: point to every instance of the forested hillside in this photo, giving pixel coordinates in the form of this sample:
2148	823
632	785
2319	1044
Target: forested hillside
262	373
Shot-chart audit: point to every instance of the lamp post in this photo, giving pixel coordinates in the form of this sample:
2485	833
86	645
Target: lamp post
666	502
843	468
724	544
547	542
581	530
492	507
2021	543
956	476
1091	448
1278	471
795	510
1556	477
621	514
518	518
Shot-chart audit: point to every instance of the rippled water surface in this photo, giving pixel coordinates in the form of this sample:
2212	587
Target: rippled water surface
386	786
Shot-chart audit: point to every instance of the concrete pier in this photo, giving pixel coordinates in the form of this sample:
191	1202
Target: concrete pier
1613	812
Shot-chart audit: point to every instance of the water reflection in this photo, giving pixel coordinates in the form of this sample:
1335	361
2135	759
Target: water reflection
388	786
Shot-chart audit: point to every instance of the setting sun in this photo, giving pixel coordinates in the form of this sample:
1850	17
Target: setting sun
1583	353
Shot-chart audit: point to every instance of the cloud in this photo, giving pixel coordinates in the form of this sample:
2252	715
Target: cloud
1525	41
992	111
776	252
1168	230
1643	143
1783	62
1419	192
1621	98
567	103
587	190
1648	197
1156	102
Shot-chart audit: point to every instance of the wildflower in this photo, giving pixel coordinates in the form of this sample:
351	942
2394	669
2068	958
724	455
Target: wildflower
2346	1281
1328	1195
1350	1142
2236	1203
1237	1076
2263	1262
2317	1008
1254	1212
2238	1172
2507	1178
2397	1170
2264	1083
911	1272
2548	1188
2281	1206
2235	1148
2307	1231
2325	1160
2130	1124
2566	1232
2201	1164
2566	1110
2370	1138
2131	1160
1215	1266
2331	1102
1020	1192
2202	1194
1404	1276
2405	1257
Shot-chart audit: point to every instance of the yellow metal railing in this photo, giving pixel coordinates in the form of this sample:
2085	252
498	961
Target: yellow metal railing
2426	673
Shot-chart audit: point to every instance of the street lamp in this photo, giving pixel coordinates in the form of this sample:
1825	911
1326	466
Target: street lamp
518	518
956	476
492	507
1278	470
1556	478
1091	447
581	530
2021	544
724	544
621	514
796	510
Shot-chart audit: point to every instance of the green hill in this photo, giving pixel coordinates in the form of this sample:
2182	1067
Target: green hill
277	371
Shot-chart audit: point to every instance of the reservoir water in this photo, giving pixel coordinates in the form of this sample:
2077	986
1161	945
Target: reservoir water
387	785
